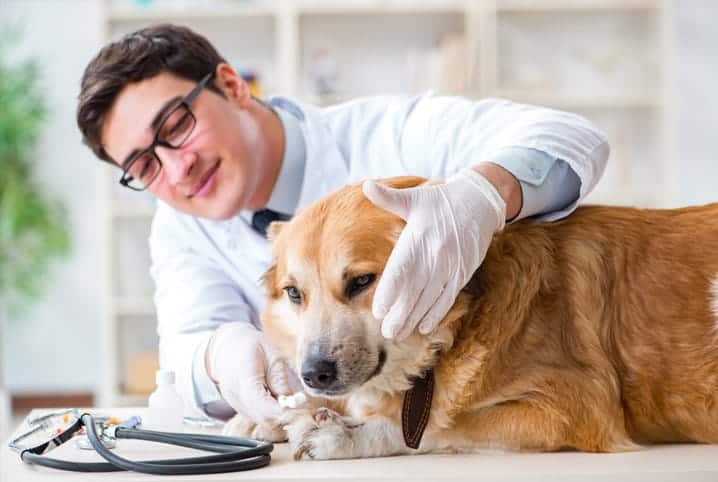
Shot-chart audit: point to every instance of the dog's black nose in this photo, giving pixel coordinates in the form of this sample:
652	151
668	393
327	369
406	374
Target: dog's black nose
319	372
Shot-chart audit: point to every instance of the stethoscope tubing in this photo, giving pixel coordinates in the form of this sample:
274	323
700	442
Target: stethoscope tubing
234	453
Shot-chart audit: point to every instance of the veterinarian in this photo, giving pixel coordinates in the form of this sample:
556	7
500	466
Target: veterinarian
163	106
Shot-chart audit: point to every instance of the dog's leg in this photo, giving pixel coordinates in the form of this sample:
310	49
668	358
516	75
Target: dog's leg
238	426
324	434
538	425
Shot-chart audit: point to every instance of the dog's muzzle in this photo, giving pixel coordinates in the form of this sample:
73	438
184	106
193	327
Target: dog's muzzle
319	373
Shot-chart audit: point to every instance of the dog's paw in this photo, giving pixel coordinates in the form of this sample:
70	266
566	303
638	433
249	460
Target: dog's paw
239	426
318	434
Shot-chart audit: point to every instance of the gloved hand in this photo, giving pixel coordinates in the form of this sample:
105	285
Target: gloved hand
448	231
251	373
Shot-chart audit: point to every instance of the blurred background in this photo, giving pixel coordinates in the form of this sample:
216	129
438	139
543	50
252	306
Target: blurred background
80	329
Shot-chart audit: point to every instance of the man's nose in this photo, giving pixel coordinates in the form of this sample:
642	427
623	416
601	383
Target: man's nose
177	163
319	372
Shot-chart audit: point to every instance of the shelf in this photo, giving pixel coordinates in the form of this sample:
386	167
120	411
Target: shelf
250	10
325	101
529	6
132	400
135	210
381	7
187	12
135	306
574	100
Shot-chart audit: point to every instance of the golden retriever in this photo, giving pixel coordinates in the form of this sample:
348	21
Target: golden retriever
598	333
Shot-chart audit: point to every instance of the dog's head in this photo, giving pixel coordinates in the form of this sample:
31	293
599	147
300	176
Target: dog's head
328	260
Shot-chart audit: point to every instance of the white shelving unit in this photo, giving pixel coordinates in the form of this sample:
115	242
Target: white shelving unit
606	59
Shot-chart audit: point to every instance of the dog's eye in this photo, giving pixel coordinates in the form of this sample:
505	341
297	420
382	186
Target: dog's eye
294	295
358	284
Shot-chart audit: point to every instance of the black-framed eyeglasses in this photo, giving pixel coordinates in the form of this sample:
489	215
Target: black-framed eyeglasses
143	168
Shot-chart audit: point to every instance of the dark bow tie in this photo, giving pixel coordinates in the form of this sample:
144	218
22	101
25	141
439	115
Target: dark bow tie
262	218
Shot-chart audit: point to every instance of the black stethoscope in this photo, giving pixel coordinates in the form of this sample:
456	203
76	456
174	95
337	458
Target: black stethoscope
235	453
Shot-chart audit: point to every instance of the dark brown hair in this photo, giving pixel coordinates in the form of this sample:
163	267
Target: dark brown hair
135	57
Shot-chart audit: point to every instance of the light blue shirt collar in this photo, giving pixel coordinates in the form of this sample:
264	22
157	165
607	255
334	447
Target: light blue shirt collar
285	195
288	186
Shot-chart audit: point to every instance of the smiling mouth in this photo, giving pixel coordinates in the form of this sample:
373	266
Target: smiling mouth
208	175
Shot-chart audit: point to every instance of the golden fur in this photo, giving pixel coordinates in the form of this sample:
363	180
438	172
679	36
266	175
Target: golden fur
597	332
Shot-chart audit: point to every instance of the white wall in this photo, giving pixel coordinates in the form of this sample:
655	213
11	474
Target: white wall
53	349
697	95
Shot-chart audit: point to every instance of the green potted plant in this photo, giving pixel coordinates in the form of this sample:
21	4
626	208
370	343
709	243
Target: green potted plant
33	228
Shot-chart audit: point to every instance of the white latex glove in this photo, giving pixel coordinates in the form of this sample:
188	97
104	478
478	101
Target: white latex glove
448	231
250	372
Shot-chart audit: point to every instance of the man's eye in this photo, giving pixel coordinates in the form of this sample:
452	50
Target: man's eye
358	284
176	127
145	168
294	295
141	165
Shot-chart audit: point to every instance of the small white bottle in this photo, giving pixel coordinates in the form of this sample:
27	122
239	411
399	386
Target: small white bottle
165	409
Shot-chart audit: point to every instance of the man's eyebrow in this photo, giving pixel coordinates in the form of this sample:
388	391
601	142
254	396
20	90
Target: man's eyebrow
154	124
129	156
161	113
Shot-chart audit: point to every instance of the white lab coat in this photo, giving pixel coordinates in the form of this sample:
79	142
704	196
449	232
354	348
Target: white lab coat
206	272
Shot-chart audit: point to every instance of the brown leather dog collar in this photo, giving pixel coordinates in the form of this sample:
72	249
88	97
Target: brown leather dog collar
416	409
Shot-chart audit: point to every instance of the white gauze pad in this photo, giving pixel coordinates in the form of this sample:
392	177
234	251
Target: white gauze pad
292	401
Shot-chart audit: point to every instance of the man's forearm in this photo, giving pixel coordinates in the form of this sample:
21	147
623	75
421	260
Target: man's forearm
505	183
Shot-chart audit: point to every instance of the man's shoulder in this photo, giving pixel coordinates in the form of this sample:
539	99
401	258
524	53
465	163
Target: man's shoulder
396	110
355	105
376	104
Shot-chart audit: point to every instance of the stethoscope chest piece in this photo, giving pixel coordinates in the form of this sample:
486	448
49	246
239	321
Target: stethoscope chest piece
82	442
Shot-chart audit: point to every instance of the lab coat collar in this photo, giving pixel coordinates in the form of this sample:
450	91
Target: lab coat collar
325	169
285	193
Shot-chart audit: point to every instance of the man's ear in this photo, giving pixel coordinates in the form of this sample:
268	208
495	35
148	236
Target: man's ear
274	228
232	85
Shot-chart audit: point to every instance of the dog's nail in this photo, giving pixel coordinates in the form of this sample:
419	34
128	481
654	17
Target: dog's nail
299	452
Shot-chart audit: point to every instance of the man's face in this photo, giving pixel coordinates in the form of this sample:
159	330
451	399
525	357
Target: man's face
215	173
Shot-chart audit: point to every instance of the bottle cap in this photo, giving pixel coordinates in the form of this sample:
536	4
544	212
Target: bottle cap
165	377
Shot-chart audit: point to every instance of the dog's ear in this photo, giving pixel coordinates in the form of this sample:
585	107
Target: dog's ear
402	182
268	276
274	228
